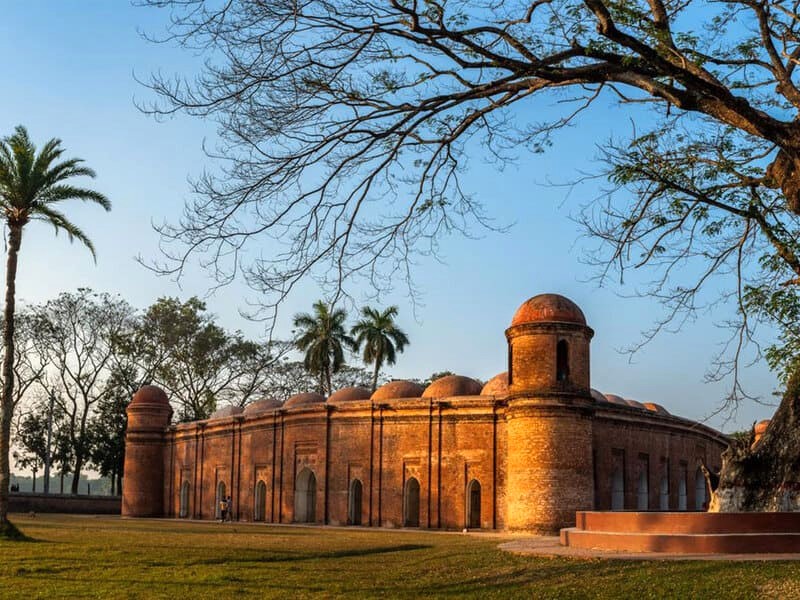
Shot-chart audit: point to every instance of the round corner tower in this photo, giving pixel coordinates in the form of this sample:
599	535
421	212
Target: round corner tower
149	414
549	419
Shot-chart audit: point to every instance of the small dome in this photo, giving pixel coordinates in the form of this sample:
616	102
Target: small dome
398	389
150	394
262	406
634	404
548	308
227	411
349	394
452	385
304	400
657	408
614	399
496	386
597	396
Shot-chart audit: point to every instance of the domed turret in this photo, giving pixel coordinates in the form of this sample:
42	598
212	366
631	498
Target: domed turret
149	414
548	308
452	385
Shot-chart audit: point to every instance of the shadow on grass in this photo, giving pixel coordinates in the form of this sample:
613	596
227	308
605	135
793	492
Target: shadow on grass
10	533
303	556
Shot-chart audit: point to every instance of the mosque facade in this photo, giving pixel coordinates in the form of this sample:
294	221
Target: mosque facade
525	451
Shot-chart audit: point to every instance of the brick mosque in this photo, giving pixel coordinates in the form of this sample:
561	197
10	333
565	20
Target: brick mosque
525	451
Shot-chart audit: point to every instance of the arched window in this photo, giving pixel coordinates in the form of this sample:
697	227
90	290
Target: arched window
682	502
700	491
411	503
474	504
184	510
643	492
562	361
663	493
260	509
617	490
219	499
354	503
305	495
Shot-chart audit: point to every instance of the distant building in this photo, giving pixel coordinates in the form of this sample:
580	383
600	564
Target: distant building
525	451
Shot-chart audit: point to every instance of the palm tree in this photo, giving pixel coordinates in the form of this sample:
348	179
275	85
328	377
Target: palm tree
380	337
32	185
322	337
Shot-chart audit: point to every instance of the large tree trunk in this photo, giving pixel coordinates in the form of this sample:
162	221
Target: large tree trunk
764	475
7	401
76	474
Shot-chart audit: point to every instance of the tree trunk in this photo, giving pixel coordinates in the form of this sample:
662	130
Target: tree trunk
7	401
375	375
764	475
76	474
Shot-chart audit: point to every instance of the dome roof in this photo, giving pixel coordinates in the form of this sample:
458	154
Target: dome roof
614	399
634	404
398	388
597	396
652	406
546	308
261	406
497	385
452	385
304	399
227	411
349	394
150	394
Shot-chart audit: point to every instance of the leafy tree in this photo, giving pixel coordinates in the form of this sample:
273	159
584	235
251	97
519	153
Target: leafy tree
289	377
32	187
78	333
346	125
323	338
380	338
178	346
31	439
106	430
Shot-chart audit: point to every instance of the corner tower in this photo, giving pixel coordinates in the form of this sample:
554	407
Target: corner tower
549	418
143	484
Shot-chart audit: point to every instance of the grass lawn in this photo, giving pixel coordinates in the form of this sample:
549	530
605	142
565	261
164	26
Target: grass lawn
106	557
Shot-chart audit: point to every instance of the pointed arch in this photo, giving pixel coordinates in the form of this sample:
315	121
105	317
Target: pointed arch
411	503
184	506
218	499
260	508
700	496
474	504
305	496
617	490
354	503
562	360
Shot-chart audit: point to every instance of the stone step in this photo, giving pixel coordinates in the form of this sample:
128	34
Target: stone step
687	522
702	543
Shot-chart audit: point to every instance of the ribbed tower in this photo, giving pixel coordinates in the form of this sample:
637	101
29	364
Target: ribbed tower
143	485
550	470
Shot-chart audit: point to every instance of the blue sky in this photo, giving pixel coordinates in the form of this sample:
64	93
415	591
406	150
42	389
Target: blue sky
69	72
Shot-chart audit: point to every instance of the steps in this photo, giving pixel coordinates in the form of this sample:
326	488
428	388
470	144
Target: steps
685	532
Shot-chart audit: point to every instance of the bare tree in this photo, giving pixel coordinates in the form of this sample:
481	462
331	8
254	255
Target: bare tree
77	333
345	125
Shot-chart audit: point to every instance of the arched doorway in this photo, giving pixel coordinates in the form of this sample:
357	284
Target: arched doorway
663	503
260	510
219	499
411	503
184	510
682	503
305	495
354	503
474	504
643	492
617	490
700	491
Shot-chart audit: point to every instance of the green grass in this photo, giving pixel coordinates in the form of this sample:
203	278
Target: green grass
74	556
